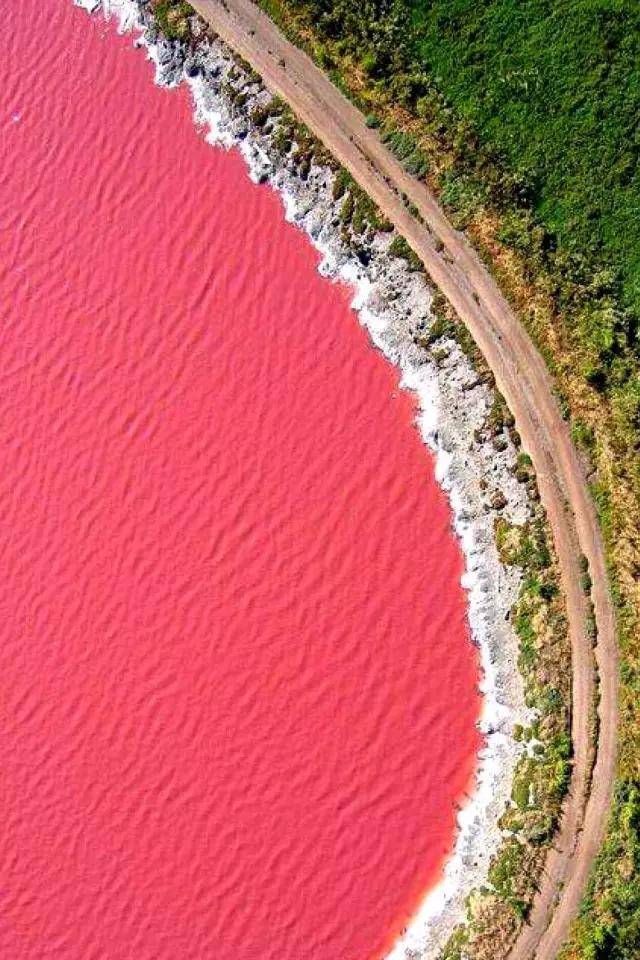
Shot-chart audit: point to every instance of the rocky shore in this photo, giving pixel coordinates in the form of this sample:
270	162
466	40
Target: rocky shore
477	469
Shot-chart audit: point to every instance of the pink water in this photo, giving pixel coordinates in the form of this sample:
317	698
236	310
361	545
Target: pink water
237	692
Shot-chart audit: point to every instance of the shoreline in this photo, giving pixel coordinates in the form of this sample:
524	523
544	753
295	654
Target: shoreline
393	304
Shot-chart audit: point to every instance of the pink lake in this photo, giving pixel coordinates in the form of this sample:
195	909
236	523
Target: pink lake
237	689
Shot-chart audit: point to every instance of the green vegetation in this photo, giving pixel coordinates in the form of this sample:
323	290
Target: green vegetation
496	912
530	100
609	926
555	88
543	772
358	213
173	17
523	118
400	248
527	113
407	149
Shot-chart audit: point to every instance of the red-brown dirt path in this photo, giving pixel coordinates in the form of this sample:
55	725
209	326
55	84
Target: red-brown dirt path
524	381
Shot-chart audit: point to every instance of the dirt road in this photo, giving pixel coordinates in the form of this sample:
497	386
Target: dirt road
525	383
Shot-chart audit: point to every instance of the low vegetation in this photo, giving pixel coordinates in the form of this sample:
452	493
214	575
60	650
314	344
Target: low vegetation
523	120
496	912
172	17
527	115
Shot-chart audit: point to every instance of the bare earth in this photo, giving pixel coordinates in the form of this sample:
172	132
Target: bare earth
525	383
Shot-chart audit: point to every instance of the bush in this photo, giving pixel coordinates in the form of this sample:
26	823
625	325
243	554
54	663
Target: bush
400	248
172	17
346	212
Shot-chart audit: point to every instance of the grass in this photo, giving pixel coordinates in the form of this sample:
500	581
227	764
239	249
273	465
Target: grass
527	112
555	88
524	116
172	18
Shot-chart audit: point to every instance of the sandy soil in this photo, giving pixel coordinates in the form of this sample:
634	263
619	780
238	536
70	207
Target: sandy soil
523	379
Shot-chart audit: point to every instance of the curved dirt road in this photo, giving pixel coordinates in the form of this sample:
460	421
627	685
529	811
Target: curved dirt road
525	383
